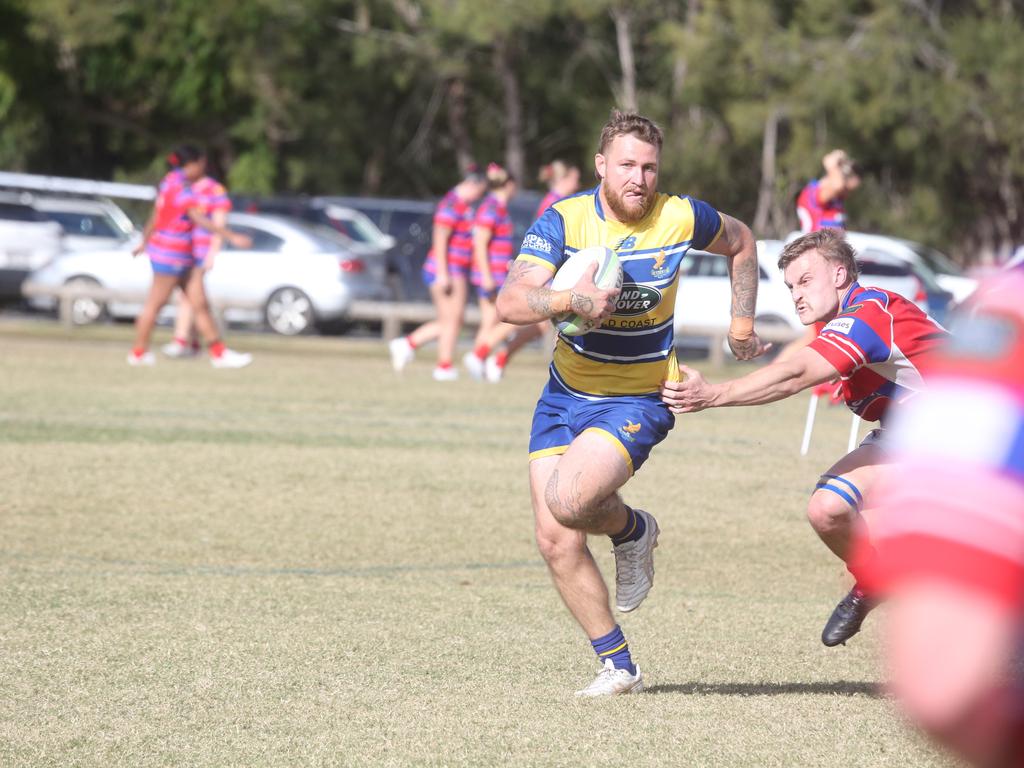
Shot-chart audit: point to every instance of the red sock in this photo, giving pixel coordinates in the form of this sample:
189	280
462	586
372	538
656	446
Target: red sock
217	349
481	351
180	341
444	365
501	358
138	351
410	342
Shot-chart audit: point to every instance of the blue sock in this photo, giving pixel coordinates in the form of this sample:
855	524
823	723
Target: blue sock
614	646
635	527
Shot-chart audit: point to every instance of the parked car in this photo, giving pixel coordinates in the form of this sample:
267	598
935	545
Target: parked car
88	223
294	276
28	241
704	294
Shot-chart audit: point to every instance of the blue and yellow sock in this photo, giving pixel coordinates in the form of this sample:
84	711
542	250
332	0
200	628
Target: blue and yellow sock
614	646
635	527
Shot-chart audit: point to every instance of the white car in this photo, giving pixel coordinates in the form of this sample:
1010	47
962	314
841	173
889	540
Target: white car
294	276
28	241
89	224
705	294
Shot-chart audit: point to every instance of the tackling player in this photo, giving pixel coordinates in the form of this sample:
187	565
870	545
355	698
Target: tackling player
874	342
600	415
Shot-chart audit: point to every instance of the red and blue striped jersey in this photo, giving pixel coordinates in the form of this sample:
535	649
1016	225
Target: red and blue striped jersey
815	215
877	343
457	214
171	239
493	216
211	196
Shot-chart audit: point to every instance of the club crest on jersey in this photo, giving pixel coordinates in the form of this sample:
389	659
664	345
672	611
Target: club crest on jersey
659	269
628	431
637	299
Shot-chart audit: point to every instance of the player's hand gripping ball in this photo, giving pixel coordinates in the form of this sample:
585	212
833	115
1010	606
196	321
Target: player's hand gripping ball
608	277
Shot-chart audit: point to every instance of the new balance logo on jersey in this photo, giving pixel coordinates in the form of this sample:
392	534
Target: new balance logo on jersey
626	243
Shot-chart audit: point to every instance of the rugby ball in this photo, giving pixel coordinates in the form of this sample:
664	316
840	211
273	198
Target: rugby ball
609	275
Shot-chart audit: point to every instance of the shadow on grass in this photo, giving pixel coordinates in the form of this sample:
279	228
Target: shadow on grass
838	688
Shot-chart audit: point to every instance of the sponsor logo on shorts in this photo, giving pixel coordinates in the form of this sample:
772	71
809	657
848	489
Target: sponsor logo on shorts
628	431
536	243
840	325
637	299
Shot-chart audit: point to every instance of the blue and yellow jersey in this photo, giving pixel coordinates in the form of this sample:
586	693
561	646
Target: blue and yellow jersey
632	352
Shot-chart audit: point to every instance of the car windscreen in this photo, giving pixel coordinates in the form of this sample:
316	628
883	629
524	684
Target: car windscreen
16	212
85	224
261	239
938	261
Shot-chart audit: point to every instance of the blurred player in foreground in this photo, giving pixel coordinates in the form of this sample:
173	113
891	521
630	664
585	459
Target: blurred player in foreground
600	415
167	240
874	342
948	529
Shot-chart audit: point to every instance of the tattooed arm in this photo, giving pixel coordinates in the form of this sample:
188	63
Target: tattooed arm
527	298
737	244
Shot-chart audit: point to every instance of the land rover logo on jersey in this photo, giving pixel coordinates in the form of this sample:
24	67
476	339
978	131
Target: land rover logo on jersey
637	299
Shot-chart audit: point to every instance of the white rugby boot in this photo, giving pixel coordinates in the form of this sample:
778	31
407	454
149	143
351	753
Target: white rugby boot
176	349
634	566
231	359
445	374
402	353
492	371
145	359
474	365
613	682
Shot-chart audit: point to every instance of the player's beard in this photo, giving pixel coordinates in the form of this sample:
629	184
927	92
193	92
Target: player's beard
628	213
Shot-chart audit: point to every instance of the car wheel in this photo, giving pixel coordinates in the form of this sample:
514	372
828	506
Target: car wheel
83	310
290	312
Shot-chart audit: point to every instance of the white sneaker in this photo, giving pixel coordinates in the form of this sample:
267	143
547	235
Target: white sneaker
613	682
402	353
176	349
474	365
634	566
492	371
146	358
231	359
445	374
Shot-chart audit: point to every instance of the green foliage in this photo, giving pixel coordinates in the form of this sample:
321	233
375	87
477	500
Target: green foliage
356	95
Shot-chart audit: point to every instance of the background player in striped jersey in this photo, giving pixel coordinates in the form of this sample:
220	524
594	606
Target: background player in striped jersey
167	239
446	273
563	180
213	202
492	254
822	203
948	528
875	342
600	413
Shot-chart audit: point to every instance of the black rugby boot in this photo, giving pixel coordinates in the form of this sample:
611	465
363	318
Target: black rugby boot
846	619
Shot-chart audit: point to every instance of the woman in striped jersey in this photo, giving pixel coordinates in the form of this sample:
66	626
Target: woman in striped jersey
213	202
446	273
167	240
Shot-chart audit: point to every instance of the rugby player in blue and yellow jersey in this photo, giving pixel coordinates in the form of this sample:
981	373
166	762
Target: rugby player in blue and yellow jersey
600	414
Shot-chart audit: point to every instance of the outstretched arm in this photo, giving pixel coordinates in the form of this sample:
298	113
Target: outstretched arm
737	244
765	385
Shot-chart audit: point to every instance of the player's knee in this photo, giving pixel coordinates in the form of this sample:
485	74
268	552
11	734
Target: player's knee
570	510
557	544
833	504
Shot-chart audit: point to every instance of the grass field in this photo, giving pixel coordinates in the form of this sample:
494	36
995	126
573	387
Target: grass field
315	562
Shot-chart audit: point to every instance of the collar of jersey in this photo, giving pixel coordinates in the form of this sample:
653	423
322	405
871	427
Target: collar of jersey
848	297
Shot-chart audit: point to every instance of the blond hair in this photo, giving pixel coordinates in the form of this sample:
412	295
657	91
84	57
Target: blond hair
630	124
830	243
